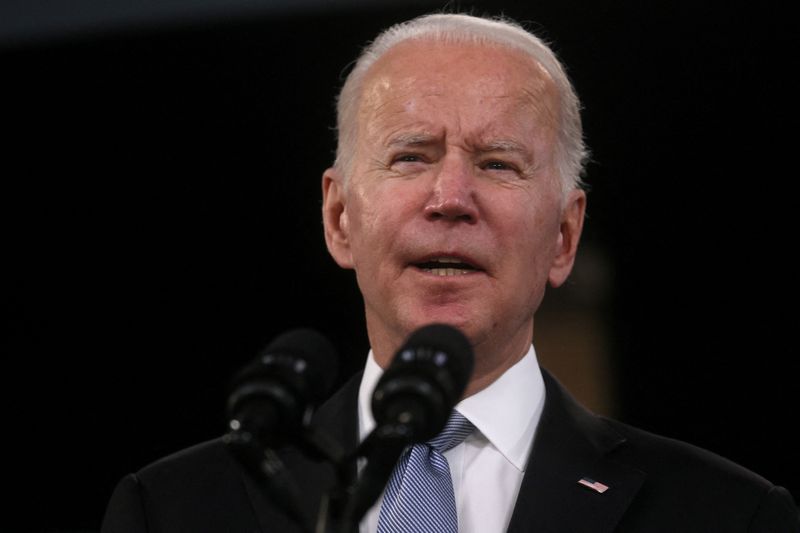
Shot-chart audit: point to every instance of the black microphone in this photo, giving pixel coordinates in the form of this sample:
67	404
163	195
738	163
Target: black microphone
270	405
411	403
271	399
425	380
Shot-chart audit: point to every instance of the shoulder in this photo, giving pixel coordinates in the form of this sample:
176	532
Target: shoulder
205	488
204	460
678	485
661	458
209	461
685	481
672	458
198	477
200	488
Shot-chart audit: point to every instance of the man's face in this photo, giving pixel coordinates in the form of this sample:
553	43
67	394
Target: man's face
452	211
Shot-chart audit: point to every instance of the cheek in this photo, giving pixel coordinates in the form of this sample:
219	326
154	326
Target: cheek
375	217
533	238
384	205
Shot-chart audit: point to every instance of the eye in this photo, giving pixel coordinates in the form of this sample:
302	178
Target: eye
407	158
497	165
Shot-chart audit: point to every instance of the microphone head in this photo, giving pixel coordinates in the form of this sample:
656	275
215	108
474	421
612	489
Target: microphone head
425	380
307	353
270	397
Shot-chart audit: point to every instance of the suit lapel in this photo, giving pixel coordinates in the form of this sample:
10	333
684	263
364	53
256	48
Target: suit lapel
572	444
338	417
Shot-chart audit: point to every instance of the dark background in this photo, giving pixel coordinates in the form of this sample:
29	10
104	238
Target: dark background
160	213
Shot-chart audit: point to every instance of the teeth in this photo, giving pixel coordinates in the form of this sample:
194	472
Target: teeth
446	266
447	271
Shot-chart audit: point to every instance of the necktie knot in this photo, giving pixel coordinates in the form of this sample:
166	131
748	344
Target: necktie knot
419	495
455	431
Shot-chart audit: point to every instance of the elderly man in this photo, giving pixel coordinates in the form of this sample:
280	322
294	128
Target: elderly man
456	199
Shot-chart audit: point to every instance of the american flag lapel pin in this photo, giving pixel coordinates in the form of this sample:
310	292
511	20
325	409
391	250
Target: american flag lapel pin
592	484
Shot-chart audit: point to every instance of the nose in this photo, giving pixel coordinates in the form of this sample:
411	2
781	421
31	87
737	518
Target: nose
453	194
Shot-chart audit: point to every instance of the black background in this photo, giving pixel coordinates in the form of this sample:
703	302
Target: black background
160	214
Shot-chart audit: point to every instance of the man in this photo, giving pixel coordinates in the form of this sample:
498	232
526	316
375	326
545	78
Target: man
456	199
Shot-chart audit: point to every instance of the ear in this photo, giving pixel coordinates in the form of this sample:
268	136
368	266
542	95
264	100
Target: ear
334	218
567	246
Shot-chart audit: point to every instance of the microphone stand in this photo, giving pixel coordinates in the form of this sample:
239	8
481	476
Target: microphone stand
351	498
268	470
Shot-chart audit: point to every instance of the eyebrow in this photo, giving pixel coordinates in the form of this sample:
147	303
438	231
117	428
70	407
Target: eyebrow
482	147
411	139
502	145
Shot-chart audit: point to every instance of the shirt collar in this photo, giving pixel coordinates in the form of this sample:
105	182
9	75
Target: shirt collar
372	373
518	395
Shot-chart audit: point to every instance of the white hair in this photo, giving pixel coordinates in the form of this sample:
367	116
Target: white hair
571	153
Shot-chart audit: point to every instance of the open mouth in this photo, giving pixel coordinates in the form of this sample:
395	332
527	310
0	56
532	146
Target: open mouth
447	266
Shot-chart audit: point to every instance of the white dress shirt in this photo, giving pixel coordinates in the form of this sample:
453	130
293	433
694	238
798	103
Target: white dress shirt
487	468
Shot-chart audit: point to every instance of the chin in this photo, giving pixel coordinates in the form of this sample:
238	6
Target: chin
464	322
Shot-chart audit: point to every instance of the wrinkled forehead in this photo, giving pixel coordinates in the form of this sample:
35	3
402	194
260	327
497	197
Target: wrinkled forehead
476	74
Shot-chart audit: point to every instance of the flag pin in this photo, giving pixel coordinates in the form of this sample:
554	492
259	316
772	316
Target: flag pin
592	484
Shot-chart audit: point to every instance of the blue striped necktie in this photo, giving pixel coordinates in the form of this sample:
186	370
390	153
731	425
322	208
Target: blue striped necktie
419	496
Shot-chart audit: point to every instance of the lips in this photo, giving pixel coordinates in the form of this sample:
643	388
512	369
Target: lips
447	265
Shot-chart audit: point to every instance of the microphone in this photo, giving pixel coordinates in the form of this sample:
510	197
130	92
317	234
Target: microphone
270	405
425	380
271	399
411	403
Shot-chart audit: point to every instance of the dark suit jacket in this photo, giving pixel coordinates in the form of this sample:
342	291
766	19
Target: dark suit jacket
656	484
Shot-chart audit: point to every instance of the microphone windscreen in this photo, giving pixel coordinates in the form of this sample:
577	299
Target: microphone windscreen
271	396
452	348
424	381
311	353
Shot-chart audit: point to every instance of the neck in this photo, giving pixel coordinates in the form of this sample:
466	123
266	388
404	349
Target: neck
493	356
491	362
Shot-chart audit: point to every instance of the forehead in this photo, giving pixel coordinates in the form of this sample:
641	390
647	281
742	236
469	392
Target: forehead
423	76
